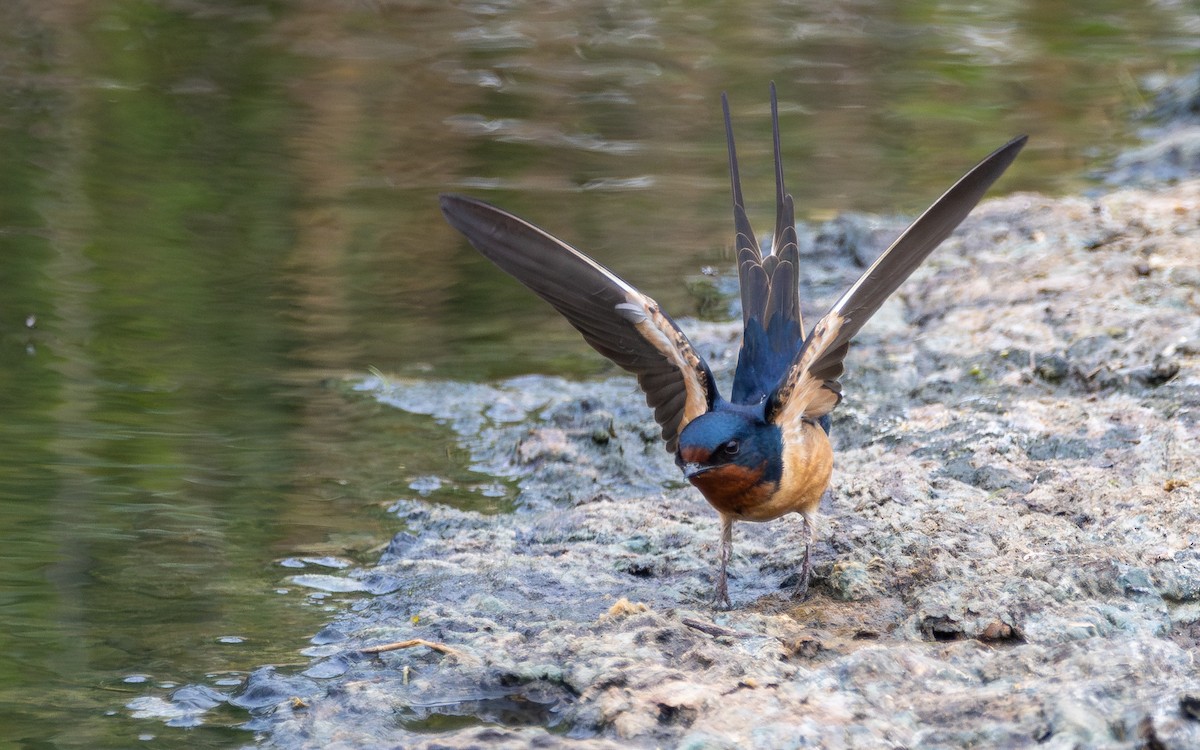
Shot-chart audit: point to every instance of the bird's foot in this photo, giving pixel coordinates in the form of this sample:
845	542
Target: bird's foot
721	594
721	598
800	592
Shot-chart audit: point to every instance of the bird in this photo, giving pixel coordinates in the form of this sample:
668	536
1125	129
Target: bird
765	451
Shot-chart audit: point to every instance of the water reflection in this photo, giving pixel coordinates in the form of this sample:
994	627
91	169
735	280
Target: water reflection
210	211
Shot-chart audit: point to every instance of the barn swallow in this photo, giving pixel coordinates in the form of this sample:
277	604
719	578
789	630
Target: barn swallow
765	452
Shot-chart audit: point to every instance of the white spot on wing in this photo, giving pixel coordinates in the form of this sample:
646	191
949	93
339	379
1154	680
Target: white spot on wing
633	313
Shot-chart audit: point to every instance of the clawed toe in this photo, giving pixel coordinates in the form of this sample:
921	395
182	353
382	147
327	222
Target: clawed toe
800	592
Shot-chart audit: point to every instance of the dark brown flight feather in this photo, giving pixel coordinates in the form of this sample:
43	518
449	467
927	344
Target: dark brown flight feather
615	318
768	285
751	279
785	275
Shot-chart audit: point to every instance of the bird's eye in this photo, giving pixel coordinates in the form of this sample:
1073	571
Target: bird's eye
732	447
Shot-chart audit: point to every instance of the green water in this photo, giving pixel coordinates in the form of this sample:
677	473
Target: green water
211	212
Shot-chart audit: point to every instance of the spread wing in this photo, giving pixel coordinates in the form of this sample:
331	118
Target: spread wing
811	389
617	320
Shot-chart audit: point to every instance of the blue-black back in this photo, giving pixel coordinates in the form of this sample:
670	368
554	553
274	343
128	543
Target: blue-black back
766	354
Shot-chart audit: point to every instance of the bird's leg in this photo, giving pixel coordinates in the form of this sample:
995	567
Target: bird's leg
805	566
721	599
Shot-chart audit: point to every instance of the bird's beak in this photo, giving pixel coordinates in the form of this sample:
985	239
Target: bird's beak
692	469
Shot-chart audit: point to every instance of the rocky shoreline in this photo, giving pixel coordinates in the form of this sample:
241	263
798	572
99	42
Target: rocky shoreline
1009	555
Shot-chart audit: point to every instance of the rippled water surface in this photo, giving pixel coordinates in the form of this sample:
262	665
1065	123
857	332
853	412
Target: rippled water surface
212	212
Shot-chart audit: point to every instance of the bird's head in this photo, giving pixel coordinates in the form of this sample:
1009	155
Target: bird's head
730	456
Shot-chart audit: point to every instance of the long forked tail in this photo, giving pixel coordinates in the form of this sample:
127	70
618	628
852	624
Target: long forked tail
769	285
